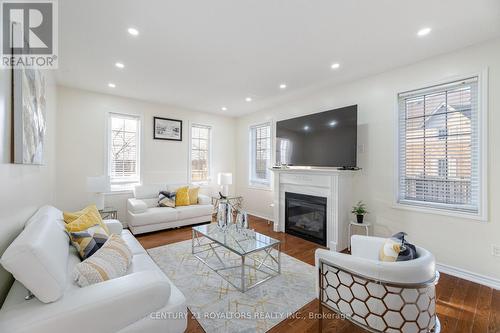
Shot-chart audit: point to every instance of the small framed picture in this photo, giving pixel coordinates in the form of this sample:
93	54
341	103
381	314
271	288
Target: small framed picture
167	129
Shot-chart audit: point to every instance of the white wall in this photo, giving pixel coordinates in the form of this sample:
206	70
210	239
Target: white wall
461	243
23	188
81	150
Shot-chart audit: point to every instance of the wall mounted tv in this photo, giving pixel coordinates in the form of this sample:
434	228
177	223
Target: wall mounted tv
325	139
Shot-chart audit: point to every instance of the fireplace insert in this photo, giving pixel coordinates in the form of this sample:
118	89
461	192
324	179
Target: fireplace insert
305	217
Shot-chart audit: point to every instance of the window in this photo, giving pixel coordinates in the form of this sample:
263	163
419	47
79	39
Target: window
200	153
439	147
260	155
123	151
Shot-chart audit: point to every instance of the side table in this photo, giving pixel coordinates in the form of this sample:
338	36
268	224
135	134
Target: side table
109	213
365	225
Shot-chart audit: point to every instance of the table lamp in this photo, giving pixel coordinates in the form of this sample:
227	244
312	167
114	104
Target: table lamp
225	179
98	185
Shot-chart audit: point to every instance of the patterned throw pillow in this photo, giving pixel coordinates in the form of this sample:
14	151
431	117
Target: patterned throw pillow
182	196
166	199
87	242
193	195
83	219
110	261
390	250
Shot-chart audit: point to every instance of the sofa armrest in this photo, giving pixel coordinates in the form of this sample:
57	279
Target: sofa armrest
136	206
115	227
103	307
204	199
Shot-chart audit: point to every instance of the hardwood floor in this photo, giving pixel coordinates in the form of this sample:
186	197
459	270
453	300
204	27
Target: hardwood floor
462	306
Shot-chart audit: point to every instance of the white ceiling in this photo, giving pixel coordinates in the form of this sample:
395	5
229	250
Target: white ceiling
203	55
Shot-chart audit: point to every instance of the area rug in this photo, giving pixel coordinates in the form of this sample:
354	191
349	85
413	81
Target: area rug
219	307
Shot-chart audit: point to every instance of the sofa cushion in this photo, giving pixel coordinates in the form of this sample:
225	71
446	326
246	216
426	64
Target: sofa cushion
166	199
110	261
38	256
154	215
84	219
187	212
193	195
182	196
89	241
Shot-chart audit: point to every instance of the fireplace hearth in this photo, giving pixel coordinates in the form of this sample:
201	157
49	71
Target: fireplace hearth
305	216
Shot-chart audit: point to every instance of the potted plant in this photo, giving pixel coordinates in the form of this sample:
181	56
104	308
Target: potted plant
360	211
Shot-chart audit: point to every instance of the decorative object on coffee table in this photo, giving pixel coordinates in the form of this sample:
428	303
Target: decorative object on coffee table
167	129
360	211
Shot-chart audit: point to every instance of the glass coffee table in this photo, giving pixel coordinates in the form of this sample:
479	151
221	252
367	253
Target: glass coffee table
242	257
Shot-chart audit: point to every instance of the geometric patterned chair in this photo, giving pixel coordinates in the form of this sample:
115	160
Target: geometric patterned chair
379	296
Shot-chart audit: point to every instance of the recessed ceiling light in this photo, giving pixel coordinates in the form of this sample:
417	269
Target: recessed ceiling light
283	86
133	31
223	108
111	85
248	99
120	65
332	123
335	65
306	128
423	32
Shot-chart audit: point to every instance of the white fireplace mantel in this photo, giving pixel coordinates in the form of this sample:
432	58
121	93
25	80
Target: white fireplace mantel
335	185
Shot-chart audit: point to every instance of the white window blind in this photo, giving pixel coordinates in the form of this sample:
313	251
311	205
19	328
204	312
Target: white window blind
260	154
123	150
200	153
439	147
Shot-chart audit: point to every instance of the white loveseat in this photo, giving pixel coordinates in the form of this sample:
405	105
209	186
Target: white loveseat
144	215
144	300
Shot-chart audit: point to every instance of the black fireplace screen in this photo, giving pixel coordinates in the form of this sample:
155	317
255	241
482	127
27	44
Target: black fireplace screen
305	217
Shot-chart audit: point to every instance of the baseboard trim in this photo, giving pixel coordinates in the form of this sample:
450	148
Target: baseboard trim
470	276
259	216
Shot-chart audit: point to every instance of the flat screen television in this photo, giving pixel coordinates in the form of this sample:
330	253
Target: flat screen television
325	139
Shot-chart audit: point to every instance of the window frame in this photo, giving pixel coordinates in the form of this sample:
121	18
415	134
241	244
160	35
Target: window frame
210	152
482	126
253	183
123	185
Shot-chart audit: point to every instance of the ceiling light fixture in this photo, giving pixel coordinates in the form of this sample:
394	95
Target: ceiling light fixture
332	123
306	128
283	86
423	32
335	65
133	31
119	65
111	85
223	108
248	99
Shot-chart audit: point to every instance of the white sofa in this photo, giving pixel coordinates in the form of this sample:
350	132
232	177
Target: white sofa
144	215
144	300
379	296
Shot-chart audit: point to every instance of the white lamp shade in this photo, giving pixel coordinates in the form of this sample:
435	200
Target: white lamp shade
225	178
98	184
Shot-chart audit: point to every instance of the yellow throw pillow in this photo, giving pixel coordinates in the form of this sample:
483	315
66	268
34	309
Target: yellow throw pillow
390	250
182	196
193	195
83	219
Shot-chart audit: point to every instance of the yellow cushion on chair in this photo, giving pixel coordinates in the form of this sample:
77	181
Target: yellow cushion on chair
182	196
193	195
